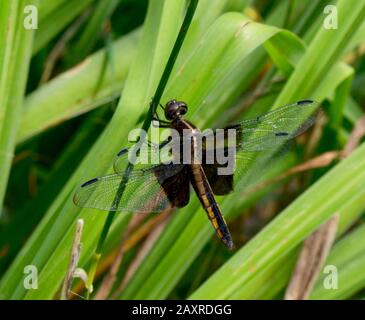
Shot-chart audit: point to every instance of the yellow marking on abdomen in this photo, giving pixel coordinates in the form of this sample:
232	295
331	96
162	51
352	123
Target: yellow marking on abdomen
215	223
205	200
204	189
210	211
219	233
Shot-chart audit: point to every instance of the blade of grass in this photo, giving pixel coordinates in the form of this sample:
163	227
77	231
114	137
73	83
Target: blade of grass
21	224
167	263
287	230
56	21
161	27
325	49
88	38
15	45
72	93
348	256
145	127
312	256
235	45
173	268
65	212
46	7
267	283
76	91
305	74
145	71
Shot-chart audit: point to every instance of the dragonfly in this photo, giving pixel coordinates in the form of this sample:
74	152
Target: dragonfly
157	187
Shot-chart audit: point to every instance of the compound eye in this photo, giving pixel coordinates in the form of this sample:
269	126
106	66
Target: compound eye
183	109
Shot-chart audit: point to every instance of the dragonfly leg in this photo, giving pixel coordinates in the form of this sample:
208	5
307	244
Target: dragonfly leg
161	123
159	145
152	144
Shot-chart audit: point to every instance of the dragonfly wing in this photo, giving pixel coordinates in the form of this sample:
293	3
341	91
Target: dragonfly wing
152	190
270	131
276	127
143	155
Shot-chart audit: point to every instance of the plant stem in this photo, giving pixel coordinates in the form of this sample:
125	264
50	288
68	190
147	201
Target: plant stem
146	124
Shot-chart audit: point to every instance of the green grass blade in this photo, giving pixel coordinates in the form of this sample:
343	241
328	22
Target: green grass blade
302	217
348	256
224	67
15	45
271	280
325	49
88	37
46	7
56	21
160	30
235	47
195	232
22	223
76	91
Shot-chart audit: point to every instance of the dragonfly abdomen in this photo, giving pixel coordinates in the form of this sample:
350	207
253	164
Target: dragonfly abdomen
210	205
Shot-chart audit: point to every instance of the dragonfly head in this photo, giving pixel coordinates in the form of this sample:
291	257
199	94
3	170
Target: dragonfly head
175	109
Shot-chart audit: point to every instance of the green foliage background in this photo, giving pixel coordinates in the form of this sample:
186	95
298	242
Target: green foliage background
56	133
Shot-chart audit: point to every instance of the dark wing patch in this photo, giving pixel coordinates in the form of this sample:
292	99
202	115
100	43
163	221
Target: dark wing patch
220	184
177	187
304	102
89	182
